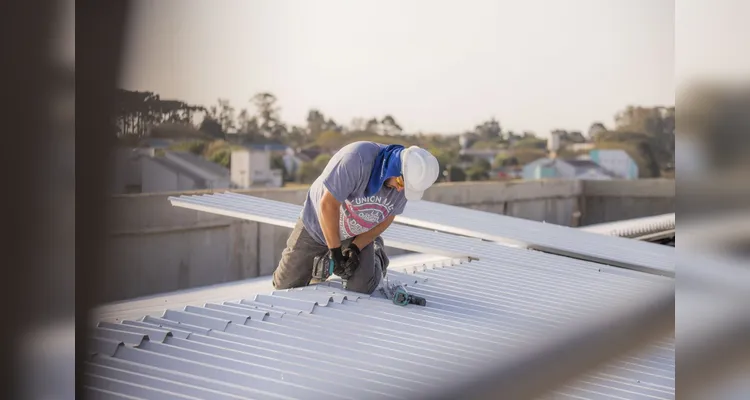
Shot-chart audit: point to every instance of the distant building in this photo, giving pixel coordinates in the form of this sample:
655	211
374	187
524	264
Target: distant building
617	161
552	168
251	167
127	169
144	170
589	170
182	171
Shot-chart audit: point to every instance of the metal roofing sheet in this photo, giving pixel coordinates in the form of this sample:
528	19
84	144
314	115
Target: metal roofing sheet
324	342
550	238
402	236
634	227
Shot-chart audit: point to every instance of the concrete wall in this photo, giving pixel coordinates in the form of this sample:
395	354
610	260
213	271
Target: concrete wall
158	248
605	201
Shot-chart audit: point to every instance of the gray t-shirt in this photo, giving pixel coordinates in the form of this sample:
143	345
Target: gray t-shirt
346	177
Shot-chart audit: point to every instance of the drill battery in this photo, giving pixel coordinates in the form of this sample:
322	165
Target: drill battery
322	267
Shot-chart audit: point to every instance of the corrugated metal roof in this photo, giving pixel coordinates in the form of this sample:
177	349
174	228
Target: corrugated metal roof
550	238
635	227
323	342
422	240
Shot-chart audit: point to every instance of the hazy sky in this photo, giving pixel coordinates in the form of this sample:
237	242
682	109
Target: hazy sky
436	66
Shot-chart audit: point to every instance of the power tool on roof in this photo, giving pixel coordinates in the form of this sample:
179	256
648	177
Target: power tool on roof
396	291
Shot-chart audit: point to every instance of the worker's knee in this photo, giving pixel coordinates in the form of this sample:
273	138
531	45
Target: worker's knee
364	285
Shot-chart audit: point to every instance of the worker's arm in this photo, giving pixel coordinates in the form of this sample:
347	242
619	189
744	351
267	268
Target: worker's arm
342	174
361	241
330	210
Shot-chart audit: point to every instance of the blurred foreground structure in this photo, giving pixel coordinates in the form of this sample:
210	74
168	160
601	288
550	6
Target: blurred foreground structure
711	330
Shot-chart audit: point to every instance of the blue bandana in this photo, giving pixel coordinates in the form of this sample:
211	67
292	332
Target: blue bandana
387	165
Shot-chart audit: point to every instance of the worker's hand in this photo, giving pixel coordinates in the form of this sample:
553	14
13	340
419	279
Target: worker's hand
351	257
338	259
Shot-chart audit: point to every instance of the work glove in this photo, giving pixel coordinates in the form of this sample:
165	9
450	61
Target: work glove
351	259
337	256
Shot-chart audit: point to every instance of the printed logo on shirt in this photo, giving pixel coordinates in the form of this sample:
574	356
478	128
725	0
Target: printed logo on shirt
362	214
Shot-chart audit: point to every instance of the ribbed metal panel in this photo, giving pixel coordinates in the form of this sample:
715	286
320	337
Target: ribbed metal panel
416	239
324	342
634	227
538	235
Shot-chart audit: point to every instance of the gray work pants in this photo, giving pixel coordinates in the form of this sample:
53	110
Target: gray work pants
296	265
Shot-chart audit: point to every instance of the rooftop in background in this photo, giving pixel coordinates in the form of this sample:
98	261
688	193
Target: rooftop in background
198	162
582	165
175	167
645	228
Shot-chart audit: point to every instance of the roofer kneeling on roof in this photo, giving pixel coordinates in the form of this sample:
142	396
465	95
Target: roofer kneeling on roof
362	189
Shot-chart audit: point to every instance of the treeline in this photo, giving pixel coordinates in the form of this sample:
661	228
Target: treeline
646	133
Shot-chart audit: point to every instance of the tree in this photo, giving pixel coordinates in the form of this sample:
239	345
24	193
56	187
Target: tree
504	160
445	157
268	114
650	130
331	125
373	126
358	124
456	174
138	112
390	126
330	140
530	142
277	162
479	170
247	124
211	127
528	154
310	171
224	116
489	130
222	157
649	120
567	137
297	137
315	122
321	161
596	129
576	137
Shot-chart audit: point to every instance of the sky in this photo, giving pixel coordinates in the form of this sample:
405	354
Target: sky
437	66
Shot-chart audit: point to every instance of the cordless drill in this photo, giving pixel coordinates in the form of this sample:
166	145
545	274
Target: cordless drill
323	268
396	291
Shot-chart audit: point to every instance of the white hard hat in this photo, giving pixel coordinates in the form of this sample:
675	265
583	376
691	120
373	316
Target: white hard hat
420	170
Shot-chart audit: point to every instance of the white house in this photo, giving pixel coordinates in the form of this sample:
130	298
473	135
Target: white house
251	167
